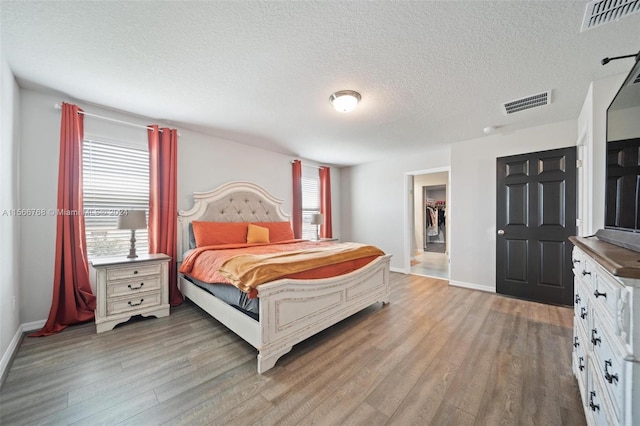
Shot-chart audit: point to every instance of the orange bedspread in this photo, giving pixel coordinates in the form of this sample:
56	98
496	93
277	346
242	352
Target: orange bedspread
311	260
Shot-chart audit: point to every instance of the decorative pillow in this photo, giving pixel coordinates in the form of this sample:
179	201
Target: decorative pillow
216	233
278	231
257	234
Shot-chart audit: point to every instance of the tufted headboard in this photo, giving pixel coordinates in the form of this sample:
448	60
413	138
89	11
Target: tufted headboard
236	201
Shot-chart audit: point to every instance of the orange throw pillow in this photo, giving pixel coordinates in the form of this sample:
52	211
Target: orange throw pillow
216	233
257	234
278	231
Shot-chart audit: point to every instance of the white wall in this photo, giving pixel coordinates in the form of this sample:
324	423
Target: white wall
472	248
376	200
9	225
204	162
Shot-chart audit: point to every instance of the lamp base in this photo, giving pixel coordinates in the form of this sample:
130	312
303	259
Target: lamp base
132	249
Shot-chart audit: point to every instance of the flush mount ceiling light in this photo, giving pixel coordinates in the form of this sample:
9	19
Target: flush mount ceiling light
345	100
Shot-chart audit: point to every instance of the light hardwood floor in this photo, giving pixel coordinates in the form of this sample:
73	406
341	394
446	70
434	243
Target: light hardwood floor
436	355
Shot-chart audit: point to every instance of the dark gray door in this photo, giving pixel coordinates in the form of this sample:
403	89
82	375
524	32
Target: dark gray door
536	213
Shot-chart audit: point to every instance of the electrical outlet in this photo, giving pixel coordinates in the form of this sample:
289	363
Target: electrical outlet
13	304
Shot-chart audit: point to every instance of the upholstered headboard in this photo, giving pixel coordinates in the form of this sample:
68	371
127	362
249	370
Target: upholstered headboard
236	201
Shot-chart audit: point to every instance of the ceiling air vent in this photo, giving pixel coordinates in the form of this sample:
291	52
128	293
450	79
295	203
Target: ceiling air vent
528	102
600	12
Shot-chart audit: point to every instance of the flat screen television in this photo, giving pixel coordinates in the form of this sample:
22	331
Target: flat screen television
622	202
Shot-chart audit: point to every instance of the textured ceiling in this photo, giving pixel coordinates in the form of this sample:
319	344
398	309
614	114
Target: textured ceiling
261	73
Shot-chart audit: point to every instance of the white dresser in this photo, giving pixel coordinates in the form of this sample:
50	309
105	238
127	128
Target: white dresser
606	336
129	287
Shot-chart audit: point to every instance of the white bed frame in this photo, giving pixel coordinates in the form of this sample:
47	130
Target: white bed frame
290	310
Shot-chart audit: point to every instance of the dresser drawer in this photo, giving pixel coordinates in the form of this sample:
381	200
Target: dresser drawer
133	271
597	407
580	359
606	294
130	287
608	367
581	306
133	303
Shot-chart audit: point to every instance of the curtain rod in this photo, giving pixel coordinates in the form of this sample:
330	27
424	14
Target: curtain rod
59	107
311	165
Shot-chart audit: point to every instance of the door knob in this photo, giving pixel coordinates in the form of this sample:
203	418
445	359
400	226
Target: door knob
500	231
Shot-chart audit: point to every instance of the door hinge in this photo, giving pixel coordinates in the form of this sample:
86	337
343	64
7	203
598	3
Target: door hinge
578	164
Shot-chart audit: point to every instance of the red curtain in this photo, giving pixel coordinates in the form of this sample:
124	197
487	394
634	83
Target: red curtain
297	198
73	301
326	229
163	201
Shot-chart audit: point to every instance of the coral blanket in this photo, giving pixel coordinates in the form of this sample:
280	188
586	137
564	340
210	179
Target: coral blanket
248	265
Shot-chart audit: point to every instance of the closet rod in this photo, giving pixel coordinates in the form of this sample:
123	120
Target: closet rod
59	107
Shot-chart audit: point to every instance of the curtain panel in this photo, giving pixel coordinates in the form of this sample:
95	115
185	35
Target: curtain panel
163	201
73	301
326	229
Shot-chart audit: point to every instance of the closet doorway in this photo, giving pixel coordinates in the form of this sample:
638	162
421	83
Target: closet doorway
429	248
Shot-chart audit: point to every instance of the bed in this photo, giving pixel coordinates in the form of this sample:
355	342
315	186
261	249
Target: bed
289	310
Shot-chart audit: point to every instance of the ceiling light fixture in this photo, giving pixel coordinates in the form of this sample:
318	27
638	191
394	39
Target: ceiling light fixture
345	100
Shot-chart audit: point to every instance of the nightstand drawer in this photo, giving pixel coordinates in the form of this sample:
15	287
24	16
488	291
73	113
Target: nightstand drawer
140	301
130	287
133	271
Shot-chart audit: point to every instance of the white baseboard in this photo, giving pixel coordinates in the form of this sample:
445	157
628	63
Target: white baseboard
13	346
399	270
8	354
31	326
472	286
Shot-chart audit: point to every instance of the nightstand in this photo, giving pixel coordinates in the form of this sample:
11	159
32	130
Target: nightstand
128	287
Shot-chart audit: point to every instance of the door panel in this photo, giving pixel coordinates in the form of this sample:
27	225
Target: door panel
536	210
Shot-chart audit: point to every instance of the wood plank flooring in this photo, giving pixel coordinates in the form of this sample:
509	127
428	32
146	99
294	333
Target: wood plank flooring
437	355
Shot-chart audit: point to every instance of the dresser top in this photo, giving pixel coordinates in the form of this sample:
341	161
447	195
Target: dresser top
123	260
619	261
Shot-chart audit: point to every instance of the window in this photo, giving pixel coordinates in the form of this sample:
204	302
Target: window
115	178
310	201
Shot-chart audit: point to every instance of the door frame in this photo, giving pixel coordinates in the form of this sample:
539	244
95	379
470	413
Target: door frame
408	214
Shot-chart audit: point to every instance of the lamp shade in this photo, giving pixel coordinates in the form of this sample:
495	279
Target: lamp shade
317	219
134	219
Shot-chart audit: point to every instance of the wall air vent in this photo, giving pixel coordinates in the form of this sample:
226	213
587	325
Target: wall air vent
527	102
600	12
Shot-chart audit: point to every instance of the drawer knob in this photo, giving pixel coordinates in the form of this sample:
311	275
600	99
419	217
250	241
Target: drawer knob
576	261
135	272
580	363
135	288
609	377
593	406
598	294
578	299
586	273
575	342
595	340
136	304
583	312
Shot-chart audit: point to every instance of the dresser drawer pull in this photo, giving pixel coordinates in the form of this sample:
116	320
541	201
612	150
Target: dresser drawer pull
583	312
586	273
135	288
593	406
598	294
135	272
576	261
575	342
595	340
609	377
136	304
577	299
580	363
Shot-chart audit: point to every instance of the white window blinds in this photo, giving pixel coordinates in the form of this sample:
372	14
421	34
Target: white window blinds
115	178
310	205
